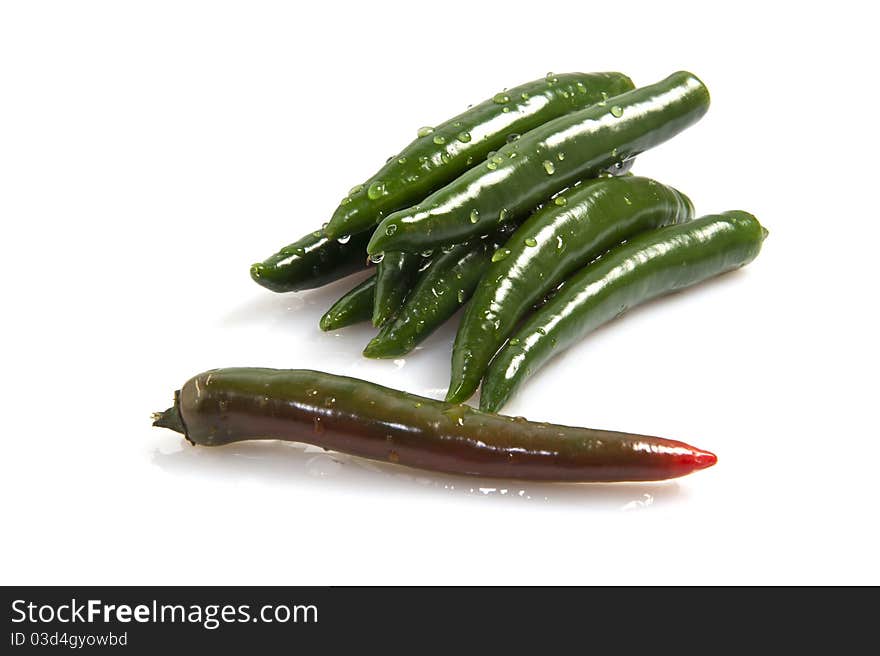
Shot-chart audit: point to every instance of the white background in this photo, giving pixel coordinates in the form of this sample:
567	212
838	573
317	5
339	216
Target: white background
150	151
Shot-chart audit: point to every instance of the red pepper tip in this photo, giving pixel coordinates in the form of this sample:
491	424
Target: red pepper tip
703	459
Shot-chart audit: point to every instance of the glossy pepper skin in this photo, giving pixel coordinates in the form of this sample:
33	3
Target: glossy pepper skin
441	154
649	265
395	275
442	289
360	418
353	307
562	237
528	171
313	261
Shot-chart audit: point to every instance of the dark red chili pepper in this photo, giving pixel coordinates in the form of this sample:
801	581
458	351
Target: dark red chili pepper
353	416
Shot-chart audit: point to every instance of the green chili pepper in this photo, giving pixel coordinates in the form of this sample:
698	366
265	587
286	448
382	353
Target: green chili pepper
367	420
311	262
647	266
553	156
441	154
444	287
395	274
354	307
562	237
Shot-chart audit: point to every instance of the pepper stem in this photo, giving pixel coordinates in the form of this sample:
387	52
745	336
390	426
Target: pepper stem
170	418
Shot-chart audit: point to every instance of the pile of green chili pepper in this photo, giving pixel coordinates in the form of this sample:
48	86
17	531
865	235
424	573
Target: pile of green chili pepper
523	210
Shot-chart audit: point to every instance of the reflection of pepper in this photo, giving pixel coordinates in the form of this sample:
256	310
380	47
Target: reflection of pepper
649	265
368	420
312	261
526	172
441	154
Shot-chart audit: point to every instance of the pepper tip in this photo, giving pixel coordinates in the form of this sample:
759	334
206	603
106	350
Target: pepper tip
454	395
377	348
703	459
377	243
372	350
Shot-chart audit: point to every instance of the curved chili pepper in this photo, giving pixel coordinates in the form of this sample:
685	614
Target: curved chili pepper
528	171
441	154
312	261
647	266
445	286
395	274
353	307
559	239
360	418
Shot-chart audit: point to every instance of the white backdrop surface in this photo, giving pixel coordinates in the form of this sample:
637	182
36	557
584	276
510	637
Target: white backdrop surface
150	151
